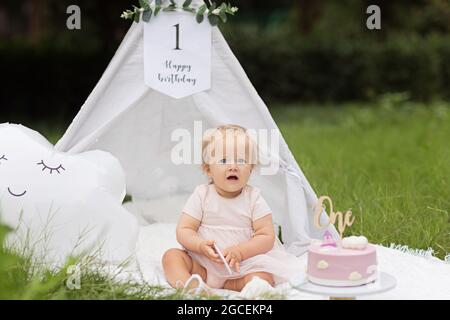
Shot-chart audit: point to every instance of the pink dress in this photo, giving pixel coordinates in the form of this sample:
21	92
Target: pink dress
228	221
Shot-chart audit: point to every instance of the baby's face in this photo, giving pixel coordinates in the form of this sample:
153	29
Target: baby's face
231	164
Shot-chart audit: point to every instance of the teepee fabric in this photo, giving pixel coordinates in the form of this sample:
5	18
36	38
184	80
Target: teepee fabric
134	123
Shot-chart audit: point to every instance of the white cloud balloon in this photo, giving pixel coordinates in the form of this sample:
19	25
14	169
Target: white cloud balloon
62	203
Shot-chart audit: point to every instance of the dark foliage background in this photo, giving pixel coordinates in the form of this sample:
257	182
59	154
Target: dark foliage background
318	51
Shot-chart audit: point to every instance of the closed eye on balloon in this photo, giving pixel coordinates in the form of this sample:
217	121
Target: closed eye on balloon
44	167
3	158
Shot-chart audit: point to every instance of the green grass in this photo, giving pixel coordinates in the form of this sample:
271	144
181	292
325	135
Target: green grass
389	162
22	276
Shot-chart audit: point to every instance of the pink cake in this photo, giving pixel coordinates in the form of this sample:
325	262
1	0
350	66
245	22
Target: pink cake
333	265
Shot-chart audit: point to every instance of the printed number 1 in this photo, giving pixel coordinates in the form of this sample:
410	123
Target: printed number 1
177	47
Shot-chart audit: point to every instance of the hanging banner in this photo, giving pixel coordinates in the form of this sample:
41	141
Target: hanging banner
177	54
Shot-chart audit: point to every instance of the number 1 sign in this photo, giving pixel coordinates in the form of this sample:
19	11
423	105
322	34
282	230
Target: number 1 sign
177	54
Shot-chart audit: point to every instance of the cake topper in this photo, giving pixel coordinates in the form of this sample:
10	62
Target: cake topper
328	240
343	219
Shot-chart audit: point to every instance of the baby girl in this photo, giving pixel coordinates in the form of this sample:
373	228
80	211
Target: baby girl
230	215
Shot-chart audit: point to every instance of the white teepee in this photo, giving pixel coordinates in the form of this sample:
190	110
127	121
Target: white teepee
134	123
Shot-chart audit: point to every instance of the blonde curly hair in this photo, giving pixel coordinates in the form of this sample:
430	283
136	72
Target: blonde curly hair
221	132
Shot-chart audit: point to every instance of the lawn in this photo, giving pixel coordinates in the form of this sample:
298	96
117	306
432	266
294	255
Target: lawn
388	161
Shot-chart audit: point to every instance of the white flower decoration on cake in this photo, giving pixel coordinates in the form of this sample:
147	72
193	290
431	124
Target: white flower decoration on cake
354	276
322	264
354	242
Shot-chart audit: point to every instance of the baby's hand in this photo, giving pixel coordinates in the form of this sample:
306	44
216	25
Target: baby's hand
207	249
233	256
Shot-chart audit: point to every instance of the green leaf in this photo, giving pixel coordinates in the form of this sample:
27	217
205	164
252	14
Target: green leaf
228	9
157	9
136	14
169	8
202	9
136	17
173	3
187	3
223	15
188	9
213	19
128	14
199	17
145	4
146	15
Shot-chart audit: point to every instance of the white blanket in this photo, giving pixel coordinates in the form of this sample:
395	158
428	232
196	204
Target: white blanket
419	275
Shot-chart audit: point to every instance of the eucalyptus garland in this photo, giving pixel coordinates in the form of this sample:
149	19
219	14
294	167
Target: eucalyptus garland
214	13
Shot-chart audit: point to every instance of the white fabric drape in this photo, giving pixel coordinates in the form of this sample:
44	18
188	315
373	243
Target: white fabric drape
134	123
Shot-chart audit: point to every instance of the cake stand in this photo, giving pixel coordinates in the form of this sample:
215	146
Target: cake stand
384	283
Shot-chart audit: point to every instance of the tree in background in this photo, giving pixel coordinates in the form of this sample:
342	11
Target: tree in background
306	13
